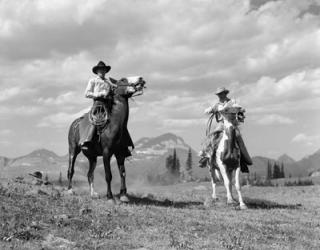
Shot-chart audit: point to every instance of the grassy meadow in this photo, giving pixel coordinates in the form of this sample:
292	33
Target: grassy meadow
159	217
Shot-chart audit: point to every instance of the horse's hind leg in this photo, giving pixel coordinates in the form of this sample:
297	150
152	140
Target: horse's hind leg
238	188
122	172
92	166
73	153
106	162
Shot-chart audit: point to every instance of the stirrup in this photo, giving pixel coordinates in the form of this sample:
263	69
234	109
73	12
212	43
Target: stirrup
85	145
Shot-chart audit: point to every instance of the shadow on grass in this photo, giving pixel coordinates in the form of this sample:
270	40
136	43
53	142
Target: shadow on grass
251	203
264	204
143	201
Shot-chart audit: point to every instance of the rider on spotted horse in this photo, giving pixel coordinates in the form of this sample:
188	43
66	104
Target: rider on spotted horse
214	137
101	90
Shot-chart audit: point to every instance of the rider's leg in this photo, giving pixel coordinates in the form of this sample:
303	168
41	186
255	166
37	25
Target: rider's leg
244	152
91	132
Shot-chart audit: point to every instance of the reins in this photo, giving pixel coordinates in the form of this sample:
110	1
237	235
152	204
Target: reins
209	124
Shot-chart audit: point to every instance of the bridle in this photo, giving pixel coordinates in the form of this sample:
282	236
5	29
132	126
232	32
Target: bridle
139	86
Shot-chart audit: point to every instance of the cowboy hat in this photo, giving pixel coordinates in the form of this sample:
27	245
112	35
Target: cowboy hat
221	90
37	174
101	65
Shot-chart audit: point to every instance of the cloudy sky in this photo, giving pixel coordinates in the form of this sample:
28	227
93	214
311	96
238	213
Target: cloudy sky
266	52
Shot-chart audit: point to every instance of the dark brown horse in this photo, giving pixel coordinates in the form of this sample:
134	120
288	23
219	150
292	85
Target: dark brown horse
113	140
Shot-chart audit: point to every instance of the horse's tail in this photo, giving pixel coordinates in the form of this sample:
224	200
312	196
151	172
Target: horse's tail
74	135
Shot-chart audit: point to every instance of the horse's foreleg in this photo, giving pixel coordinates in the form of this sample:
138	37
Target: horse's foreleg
73	152
122	172
106	162
227	183
229	173
92	166
213	182
238	188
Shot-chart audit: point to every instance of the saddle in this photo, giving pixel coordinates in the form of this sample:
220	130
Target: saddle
245	158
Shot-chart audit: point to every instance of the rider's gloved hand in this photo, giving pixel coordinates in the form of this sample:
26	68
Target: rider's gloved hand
208	110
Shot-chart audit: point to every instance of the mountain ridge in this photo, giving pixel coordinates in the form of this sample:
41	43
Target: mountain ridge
149	158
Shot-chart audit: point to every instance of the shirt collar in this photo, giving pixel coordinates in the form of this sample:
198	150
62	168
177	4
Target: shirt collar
98	77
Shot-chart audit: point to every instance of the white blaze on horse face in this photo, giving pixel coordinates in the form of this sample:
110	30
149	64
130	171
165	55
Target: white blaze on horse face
134	79
130	89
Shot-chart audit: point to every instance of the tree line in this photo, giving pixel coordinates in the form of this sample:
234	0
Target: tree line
275	171
174	171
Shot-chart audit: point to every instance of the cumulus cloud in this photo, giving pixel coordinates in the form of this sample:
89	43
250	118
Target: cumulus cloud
60	120
15	112
299	90
182	123
273	119
6	132
9	93
66	98
309	140
266	52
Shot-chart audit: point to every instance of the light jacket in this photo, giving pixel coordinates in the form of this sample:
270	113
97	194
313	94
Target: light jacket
98	88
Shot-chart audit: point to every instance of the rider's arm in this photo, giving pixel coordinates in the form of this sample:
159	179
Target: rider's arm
211	110
113	86
89	93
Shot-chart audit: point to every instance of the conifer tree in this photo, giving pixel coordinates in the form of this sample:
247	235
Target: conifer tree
276	171
269	171
60	179
188	167
173	164
282	170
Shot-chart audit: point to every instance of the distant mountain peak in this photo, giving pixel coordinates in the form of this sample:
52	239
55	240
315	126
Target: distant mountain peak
42	153
160	145
286	159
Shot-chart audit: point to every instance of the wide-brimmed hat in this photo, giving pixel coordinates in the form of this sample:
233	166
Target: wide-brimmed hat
37	174
101	65
221	90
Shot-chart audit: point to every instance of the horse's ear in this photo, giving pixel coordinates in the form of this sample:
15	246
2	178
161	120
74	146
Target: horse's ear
112	80
124	80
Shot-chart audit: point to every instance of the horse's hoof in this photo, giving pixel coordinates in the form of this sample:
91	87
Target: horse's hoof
214	199
70	192
243	206
111	201
124	198
232	203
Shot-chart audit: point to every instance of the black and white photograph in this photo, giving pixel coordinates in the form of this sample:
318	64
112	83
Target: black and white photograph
159	125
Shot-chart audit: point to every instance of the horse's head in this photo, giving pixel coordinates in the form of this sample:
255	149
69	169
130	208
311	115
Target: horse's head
232	113
130	86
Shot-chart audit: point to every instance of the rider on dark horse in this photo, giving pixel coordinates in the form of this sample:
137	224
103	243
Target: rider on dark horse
100	90
215	136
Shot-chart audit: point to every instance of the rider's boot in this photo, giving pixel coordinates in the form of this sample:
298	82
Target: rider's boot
204	158
243	165
91	131
127	153
203	162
